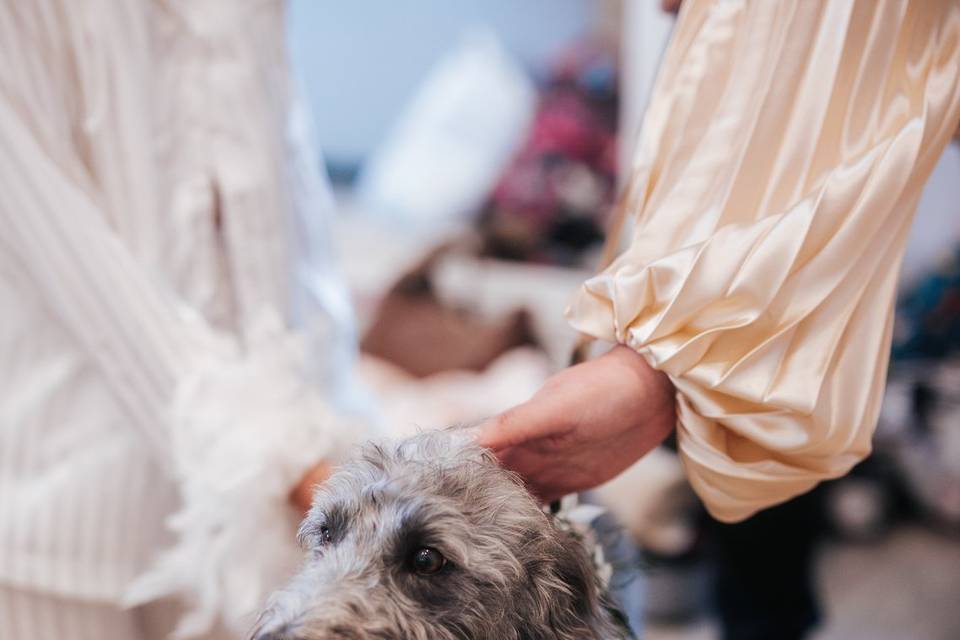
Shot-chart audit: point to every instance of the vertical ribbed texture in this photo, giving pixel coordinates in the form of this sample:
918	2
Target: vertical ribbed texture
26	615
79	228
135	136
95	286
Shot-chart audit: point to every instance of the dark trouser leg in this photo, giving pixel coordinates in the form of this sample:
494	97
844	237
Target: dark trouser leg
765	588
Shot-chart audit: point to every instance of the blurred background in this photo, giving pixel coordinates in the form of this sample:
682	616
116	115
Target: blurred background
475	149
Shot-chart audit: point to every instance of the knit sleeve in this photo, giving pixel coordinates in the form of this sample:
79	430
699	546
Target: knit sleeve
235	425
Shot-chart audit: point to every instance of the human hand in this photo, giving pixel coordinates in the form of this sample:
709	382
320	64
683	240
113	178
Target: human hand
302	495
585	425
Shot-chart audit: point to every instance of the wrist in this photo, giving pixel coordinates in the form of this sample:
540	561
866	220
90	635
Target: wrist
654	388
646	375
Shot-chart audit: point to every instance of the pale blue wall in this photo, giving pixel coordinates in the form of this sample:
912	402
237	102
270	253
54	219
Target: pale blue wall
361	59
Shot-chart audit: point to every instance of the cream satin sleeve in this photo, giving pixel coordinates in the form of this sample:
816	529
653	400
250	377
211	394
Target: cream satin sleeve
780	163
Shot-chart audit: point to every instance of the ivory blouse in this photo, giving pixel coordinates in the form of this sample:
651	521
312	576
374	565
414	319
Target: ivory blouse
779	166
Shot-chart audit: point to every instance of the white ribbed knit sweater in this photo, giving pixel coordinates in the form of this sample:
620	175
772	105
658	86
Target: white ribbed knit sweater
151	167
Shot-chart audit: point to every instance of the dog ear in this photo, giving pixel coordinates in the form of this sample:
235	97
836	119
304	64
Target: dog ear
579	608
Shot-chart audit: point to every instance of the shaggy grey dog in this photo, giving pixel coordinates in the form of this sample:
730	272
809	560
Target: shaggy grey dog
430	539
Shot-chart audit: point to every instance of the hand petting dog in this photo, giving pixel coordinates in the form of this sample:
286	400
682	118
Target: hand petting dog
302	495
586	424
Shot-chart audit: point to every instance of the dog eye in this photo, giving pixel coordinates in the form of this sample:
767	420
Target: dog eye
326	536
427	561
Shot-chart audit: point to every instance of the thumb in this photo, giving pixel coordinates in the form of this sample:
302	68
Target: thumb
531	420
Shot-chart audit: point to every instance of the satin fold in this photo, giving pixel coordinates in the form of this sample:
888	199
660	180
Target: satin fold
779	166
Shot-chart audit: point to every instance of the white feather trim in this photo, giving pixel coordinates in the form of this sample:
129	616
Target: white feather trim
244	430
579	519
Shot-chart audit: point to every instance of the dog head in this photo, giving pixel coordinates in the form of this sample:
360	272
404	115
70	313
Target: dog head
430	539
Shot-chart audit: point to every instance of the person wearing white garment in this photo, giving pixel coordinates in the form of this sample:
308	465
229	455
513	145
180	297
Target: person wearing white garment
164	382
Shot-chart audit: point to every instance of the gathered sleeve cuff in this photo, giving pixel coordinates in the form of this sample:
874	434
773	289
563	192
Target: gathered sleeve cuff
780	164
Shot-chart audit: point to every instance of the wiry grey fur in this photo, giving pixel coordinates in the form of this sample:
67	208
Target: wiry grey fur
511	574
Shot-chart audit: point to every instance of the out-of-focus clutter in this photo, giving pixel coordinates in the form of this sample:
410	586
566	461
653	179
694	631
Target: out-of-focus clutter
550	204
450	143
462	239
488	196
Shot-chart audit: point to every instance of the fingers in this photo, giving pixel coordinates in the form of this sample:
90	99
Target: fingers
528	421
531	467
543	476
302	495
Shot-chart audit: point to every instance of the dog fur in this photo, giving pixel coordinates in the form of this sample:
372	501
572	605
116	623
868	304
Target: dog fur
510	573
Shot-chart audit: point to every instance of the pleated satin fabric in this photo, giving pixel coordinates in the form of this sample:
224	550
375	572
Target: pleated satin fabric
777	174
